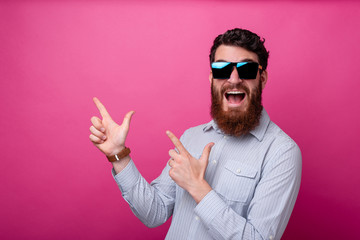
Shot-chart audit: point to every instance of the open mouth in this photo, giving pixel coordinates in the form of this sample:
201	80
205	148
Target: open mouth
235	97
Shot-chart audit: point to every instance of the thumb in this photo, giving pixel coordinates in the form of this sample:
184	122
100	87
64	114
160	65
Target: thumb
127	119
206	152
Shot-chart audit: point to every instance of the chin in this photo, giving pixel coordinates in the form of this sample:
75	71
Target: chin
238	119
234	109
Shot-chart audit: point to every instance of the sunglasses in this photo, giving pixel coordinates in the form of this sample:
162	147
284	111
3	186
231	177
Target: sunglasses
246	70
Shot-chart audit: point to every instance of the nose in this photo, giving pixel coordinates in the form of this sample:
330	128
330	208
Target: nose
234	77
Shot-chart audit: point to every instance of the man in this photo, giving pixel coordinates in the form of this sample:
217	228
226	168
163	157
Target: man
236	177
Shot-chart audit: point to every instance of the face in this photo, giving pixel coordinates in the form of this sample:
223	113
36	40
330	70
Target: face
236	103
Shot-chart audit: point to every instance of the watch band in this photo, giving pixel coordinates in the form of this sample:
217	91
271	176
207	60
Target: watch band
125	152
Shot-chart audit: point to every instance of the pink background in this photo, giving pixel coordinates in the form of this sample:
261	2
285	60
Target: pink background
152	57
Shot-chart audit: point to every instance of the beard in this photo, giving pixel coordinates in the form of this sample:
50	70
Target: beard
236	122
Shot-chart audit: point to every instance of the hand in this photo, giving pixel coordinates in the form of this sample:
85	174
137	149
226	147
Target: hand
106	134
187	171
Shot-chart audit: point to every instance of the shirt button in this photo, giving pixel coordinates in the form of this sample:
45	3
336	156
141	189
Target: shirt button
214	161
238	170
225	137
271	237
196	218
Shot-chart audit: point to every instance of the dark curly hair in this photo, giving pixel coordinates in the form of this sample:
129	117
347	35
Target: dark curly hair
245	39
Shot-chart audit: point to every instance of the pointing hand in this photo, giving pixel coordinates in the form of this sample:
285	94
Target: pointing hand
187	171
106	134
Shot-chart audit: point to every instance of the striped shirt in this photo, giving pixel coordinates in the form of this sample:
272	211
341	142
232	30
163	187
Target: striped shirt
255	179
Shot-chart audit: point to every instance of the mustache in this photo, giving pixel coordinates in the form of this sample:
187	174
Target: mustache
238	87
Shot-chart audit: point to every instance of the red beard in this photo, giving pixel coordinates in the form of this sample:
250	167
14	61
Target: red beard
236	122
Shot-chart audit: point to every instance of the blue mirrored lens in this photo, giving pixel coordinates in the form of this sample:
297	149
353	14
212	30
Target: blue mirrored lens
239	64
219	65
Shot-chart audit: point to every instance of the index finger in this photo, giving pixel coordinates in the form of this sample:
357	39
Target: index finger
176	142
104	113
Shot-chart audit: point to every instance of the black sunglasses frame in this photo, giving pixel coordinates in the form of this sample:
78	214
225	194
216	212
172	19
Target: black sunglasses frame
248	70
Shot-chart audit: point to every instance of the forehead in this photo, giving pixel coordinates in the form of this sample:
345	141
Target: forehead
234	54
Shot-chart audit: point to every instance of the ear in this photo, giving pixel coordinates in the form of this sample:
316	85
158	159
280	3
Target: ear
263	78
210	77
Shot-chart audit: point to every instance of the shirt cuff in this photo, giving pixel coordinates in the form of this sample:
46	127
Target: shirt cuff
210	201
127	178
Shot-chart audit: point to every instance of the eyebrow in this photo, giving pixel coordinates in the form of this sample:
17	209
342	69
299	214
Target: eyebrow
244	60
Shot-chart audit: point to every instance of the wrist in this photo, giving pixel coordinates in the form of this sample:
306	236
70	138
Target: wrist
115	151
200	190
120	165
119	155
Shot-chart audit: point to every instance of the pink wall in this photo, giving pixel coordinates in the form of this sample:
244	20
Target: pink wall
55	56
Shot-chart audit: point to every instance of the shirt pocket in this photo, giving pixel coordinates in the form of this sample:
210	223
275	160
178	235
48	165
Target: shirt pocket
237	181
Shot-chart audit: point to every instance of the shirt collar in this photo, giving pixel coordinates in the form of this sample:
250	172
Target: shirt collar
258	132
210	125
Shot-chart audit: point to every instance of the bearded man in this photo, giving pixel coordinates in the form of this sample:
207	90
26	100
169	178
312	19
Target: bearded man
236	177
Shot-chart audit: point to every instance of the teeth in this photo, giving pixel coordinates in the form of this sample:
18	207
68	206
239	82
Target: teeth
233	92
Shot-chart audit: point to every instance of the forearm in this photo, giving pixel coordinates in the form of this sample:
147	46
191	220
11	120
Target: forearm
222	221
199	190
149	203
269	210
120	165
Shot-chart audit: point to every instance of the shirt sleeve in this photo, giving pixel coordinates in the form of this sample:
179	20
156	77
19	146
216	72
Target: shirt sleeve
152	203
269	210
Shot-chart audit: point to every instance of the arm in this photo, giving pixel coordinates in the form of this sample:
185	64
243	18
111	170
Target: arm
269	210
152	204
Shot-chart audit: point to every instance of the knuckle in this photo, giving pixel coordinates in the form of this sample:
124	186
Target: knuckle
92	138
97	121
172	173
179	160
93	130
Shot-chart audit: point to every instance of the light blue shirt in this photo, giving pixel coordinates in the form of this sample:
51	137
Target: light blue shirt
255	180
